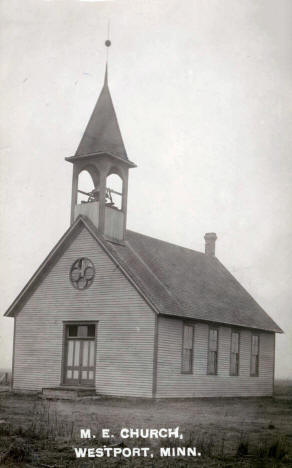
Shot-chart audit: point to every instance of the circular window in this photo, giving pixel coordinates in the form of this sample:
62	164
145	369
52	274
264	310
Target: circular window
82	273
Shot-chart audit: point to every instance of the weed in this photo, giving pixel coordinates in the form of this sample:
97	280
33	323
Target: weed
18	451
242	449
261	450
206	444
278	449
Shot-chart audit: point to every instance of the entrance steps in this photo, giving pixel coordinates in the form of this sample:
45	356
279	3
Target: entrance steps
68	393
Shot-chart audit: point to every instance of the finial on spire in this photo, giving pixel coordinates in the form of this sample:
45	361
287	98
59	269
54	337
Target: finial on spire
107	44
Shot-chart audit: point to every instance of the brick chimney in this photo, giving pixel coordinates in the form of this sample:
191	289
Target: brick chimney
210	239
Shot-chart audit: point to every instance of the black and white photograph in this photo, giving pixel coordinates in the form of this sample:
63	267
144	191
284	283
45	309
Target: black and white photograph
146	233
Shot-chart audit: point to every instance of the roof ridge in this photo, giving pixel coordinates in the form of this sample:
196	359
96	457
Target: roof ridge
167	242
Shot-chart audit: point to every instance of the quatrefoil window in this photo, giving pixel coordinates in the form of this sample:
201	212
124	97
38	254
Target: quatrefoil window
82	273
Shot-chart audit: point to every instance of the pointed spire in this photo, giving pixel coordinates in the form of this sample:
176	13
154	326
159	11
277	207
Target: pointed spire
102	134
106	75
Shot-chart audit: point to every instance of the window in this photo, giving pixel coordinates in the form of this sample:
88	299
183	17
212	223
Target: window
234	355
213	351
254	364
187	351
81	331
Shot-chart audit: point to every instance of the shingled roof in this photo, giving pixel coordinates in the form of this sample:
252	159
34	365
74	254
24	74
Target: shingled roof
184	283
174	280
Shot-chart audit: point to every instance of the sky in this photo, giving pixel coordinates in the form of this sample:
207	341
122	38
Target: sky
202	91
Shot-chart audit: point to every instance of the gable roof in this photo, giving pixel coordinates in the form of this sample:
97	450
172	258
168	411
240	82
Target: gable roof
198	285
175	281
102	134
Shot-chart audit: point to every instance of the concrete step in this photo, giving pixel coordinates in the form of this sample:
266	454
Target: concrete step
68	393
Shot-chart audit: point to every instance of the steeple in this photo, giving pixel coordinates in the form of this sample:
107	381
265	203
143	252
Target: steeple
102	153
102	133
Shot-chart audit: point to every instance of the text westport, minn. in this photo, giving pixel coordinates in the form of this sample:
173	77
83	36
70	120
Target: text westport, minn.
120	450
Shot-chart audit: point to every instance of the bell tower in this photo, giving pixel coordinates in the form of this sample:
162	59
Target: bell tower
102	154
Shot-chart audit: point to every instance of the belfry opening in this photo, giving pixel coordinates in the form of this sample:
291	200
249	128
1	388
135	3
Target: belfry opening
114	191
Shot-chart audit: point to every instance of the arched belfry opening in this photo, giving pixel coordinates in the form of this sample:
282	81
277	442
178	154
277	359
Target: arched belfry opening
86	186
86	192
114	191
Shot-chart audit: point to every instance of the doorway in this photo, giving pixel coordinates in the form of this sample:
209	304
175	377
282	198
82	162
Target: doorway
80	351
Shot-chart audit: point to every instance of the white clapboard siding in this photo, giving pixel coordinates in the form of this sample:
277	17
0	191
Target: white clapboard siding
125	332
172	383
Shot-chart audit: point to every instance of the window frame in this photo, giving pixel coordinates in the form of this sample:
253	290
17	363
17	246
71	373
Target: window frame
191	325
234	330
257	372
88	282
211	327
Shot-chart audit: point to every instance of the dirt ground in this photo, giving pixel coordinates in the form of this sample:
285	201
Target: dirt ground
255	432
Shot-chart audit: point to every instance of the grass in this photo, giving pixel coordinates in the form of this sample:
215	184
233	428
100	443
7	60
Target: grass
246	433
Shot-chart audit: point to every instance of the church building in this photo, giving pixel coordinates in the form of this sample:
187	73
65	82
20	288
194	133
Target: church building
117	313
